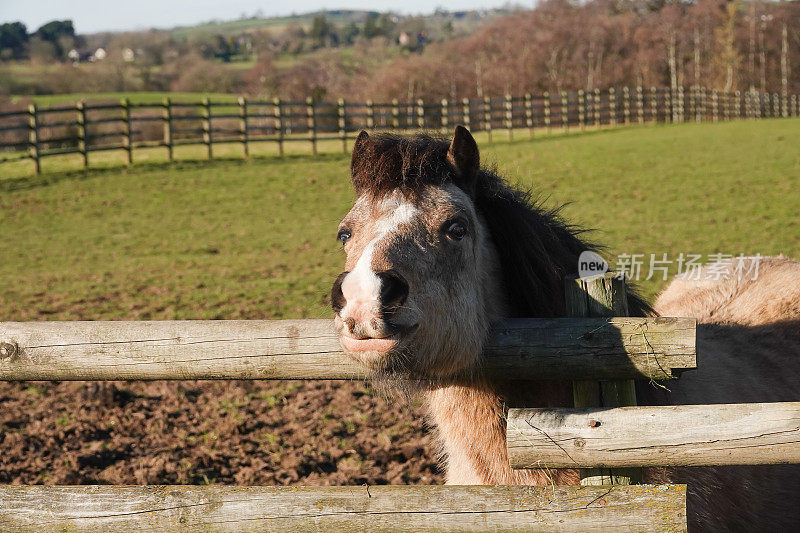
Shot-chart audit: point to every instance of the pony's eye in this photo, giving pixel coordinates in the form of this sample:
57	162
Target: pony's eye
456	231
343	235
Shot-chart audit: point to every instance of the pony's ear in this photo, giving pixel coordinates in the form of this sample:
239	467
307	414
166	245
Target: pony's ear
464	157
362	150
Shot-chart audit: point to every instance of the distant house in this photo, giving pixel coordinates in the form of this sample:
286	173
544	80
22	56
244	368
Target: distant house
80	56
415	41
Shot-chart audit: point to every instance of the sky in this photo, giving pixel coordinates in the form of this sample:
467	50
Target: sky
94	16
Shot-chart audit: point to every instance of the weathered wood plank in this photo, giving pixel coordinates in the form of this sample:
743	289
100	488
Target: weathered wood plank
683	435
383	508
309	349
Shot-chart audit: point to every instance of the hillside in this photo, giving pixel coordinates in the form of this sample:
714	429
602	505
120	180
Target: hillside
462	21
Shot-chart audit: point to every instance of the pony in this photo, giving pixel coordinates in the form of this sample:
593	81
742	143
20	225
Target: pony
439	248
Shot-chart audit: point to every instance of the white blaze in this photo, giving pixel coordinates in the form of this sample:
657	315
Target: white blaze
361	288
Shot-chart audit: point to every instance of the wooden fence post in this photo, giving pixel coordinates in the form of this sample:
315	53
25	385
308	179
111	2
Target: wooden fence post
166	118
342	121
420	114
276	112
509	116
582	109
759	106
243	127
395	114
487	116
127	140
33	137
668	115
626	105
698	104
612	105
597	108
529	113
603	295
796	111
714	106
80	108
726	106
546	102
311	124
445	115
465	112
370	115
704	103
639	104
776	105
747	112
784	103
564	112
206	123
653	105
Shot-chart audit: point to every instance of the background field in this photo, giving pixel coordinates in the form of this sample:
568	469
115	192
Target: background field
233	239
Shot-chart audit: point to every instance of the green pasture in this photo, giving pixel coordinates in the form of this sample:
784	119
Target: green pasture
233	238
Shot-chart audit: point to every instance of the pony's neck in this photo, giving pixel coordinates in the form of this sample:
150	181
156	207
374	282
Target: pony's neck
470	413
470	417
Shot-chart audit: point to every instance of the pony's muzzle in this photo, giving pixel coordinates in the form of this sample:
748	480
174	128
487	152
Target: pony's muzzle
366	309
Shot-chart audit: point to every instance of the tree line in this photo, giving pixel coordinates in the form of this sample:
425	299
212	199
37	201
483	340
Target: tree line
53	39
726	45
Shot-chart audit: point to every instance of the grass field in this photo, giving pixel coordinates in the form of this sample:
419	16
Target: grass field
255	239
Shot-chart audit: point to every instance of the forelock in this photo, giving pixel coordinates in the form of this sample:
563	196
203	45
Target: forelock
407	164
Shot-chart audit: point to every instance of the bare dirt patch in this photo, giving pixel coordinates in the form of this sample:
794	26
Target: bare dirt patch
264	433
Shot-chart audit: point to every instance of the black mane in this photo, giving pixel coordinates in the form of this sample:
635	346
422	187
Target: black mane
536	247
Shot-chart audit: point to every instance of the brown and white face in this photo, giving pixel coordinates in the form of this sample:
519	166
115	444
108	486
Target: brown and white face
414	295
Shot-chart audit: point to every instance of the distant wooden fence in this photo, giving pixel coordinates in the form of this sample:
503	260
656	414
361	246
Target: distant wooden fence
604	438
85	127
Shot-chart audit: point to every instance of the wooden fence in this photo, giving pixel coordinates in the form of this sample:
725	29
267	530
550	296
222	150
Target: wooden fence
84	127
604	437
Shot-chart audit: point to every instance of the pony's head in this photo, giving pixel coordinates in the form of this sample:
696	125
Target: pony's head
438	249
416	291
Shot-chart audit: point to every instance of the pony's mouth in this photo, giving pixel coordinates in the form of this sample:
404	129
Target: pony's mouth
377	345
353	345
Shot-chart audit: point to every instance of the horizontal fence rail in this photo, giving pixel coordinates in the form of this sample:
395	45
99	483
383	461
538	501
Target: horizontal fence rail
528	349
167	509
683	435
86	127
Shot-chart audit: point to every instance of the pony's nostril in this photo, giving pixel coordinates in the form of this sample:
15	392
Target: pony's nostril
337	297
394	290
350	324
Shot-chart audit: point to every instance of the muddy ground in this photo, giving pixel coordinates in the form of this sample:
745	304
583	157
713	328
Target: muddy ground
263	433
